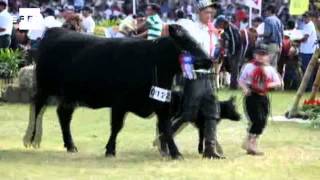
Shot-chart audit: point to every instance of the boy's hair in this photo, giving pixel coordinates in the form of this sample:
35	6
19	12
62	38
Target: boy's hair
155	7
88	9
49	11
180	14
258	19
3	3
272	9
291	24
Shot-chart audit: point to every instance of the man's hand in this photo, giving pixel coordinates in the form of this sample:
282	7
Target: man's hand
142	35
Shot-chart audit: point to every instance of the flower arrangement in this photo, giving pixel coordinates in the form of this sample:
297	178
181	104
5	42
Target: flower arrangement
312	102
312	109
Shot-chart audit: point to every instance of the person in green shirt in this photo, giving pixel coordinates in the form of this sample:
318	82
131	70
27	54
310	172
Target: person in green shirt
153	23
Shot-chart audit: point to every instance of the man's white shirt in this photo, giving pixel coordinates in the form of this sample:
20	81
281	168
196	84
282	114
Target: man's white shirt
200	32
309	46
6	22
51	22
88	25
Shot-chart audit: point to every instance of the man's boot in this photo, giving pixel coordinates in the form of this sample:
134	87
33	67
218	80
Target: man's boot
210	149
245	144
253	147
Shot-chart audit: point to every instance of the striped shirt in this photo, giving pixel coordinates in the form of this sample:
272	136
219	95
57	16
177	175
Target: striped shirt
154	24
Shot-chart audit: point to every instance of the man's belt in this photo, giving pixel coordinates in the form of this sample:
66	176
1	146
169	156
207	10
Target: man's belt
203	71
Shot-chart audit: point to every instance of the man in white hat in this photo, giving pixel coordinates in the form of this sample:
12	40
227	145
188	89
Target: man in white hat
199	96
6	25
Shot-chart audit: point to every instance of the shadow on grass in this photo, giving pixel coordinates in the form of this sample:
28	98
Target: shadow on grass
80	159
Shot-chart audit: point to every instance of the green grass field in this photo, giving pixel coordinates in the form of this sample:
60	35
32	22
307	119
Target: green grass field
292	150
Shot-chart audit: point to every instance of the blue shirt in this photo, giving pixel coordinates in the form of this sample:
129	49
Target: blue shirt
78	3
273	30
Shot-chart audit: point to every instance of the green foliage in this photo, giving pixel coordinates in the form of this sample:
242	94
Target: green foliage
99	31
313	111
102	25
108	23
9	62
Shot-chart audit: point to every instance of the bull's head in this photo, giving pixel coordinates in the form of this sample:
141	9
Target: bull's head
187	43
229	110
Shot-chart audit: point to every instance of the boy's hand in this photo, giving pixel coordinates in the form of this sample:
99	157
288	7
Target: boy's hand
246	91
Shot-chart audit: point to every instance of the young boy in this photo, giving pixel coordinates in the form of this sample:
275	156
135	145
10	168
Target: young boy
256	79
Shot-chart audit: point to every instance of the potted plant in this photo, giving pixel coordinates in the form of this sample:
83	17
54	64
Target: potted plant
9	63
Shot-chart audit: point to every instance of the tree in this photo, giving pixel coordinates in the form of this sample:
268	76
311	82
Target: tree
294	111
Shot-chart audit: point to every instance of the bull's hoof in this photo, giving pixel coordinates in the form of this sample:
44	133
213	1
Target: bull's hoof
72	149
212	155
164	153
26	141
29	142
35	145
177	157
110	154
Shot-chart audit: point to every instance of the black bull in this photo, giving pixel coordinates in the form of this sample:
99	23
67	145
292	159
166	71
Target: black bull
96	72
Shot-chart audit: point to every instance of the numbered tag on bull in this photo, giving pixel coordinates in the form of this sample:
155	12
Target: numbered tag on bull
160	94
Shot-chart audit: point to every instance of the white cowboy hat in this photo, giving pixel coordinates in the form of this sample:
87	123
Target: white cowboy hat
202	4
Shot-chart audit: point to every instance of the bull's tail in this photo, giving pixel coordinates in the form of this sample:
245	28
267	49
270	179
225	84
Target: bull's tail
34	131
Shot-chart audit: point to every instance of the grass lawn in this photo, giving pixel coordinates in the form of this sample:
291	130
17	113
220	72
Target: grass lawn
292	150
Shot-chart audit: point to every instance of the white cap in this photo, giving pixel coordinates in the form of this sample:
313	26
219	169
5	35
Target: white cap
201	4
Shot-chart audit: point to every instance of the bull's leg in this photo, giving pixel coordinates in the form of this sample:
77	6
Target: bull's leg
178	124
117	119
65	112
200	126
164	126
34	131
234	72
200	145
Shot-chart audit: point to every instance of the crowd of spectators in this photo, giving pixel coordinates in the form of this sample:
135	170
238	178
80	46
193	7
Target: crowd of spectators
82	16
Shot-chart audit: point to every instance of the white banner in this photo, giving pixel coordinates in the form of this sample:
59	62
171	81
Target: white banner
255	4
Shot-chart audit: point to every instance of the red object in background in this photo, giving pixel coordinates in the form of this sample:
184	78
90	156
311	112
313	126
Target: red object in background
312	102
286	45
240	16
